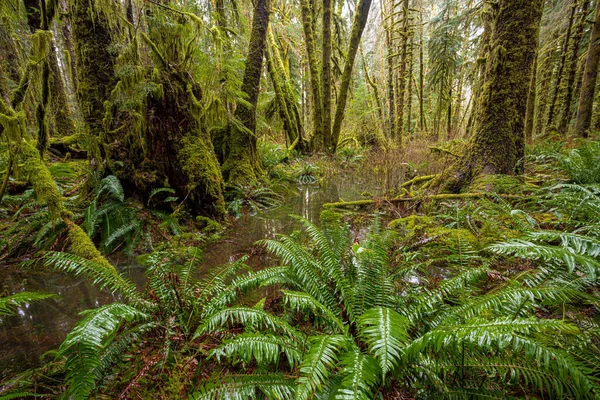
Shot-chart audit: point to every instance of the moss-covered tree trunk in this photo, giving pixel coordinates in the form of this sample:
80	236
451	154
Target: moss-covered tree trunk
561	68
402	81
389	61
95	65
498	143
361	15
62	119
590	73
326	80
242	164
308	26
571	69
531	101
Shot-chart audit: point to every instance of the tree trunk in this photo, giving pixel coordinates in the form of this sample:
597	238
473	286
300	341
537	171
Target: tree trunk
402	73
590	73
498	143
531	99
242	164
561	67
361	16
390	70
315	85
95	65
571	69
326	75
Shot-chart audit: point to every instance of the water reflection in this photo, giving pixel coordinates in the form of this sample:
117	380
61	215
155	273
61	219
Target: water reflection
40	327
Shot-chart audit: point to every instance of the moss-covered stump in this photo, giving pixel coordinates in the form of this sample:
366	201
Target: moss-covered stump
171	148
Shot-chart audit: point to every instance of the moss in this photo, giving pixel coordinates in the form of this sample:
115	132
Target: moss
205	181
42	181
501	184
499	141
82	246
207	224
412	222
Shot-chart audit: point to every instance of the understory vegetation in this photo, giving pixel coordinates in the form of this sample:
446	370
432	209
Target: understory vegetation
308	199
490	297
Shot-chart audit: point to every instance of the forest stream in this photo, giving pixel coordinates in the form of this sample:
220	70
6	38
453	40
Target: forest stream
40	327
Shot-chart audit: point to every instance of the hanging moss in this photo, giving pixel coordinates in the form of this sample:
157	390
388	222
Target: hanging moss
95	63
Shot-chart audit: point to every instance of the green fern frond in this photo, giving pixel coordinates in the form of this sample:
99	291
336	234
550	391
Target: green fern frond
361	373
98	274
303	302
244	387
249	317
265	349
8	304
551	254
386	333
314	369
112	186
86	341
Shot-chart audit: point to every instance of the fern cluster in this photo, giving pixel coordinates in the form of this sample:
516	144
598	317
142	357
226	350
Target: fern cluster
349	327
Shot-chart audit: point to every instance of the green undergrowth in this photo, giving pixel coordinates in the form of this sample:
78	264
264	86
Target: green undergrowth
493	296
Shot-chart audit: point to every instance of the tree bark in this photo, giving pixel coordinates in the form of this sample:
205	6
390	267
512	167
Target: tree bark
95	65
571	69
361	16
531	99
313	68
590	73
242	164
326	76
561	67
498	143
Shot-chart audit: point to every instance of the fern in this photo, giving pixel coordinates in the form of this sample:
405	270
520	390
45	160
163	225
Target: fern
8	304
265	349
249	317
314	369
244	387
96	273
386	333
360	374
85	342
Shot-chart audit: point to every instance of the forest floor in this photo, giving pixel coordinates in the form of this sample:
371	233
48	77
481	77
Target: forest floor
439	236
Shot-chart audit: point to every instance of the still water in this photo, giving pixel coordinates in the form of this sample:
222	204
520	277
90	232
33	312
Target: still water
40	327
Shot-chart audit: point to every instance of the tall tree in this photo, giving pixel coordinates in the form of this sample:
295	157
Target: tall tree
241	163
571	69
590	73
95	66
498	143
326	80
361	15
561	67
308	25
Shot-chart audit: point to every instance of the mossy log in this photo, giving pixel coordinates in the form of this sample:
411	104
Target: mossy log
417	180
407	199
47	191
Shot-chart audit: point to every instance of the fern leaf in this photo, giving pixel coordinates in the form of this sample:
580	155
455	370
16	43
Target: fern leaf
8	304
84	344
247	316
303	302
265	349
244	387
385	331
98	274
314	369
361	373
